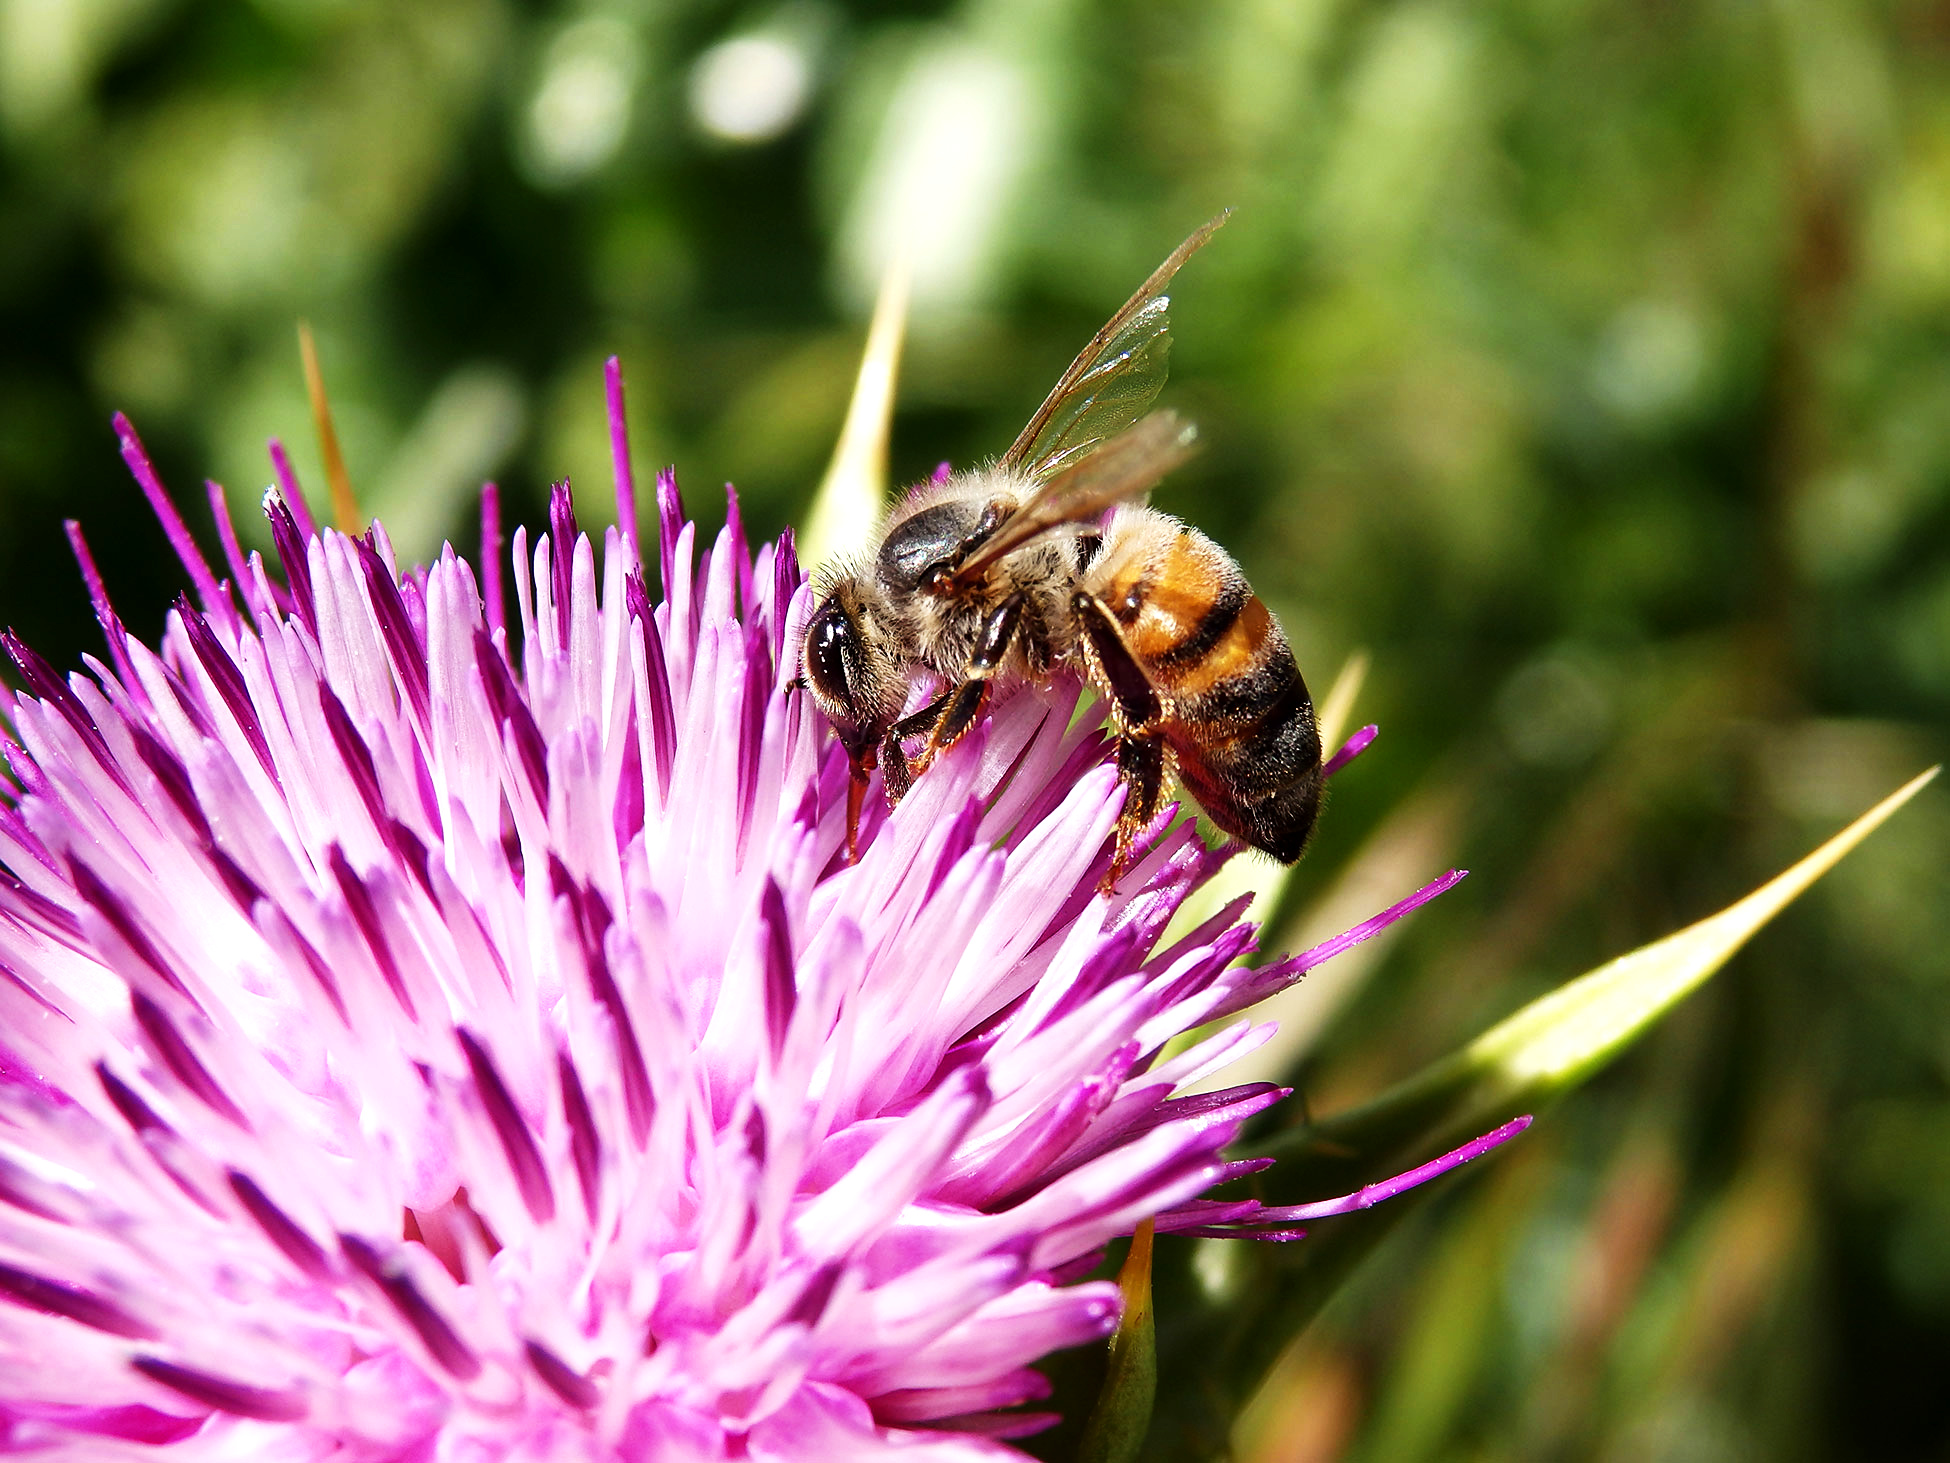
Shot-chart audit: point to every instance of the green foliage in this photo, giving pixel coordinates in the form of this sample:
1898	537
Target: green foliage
1526	1063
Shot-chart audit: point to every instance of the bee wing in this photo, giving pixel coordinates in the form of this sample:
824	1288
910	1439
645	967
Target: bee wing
1126	467
1115	379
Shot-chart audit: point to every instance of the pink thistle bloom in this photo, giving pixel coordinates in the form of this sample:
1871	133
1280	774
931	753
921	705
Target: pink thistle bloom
412	1050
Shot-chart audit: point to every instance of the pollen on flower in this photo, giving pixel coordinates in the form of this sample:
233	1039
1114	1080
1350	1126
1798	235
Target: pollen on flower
435	1028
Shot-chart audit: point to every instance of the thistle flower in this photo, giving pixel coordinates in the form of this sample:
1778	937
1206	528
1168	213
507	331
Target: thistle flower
409	1049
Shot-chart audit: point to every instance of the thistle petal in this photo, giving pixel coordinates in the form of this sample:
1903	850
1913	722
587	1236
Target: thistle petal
420	1045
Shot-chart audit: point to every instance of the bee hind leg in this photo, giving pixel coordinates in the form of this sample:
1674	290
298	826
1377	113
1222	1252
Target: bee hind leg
1138	721
1141	768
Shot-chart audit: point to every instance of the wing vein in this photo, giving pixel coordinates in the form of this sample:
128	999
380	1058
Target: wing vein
1070	417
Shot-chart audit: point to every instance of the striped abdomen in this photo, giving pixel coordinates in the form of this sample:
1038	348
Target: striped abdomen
1227	696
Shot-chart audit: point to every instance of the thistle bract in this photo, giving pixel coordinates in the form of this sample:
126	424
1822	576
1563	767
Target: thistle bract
412	1048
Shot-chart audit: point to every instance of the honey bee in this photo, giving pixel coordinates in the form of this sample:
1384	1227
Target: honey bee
1046	559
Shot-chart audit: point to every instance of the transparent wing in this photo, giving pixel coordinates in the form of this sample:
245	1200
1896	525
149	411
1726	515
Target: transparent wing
1112	382
1126	467
1112	393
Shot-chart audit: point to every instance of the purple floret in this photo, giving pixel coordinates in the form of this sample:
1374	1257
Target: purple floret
412	1048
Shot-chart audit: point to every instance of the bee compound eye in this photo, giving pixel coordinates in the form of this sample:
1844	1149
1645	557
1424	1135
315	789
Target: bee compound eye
832	644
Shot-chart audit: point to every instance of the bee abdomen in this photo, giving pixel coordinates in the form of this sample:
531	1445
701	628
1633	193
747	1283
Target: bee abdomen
1249	751
1258	713
1188	616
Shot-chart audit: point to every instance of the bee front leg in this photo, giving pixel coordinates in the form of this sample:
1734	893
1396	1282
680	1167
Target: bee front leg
895	771
965	702
964	706
896	775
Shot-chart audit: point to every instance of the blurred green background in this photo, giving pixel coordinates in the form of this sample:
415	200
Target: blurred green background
1587	361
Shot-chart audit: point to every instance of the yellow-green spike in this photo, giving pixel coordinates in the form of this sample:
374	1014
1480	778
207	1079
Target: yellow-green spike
1556	1041
1115	1432
1534	1057
345	507
850	496
1337	707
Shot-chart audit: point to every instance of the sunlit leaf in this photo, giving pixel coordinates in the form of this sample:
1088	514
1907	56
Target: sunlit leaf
854	489
1556	1042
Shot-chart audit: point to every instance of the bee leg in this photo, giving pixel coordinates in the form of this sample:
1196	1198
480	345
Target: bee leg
1141	766
898	774
1112	668
998	634
1137	720
894	769
965	702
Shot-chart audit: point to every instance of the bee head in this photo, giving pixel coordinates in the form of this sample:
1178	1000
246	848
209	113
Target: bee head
850	675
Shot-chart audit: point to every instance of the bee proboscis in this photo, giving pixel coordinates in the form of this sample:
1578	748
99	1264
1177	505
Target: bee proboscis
1047	558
